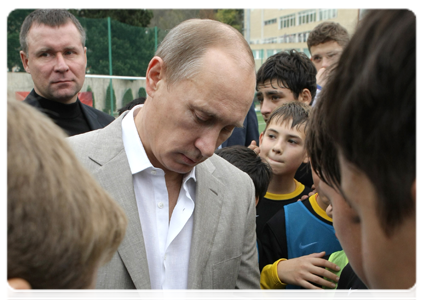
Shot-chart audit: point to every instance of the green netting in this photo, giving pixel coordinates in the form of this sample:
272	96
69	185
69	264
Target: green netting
132	46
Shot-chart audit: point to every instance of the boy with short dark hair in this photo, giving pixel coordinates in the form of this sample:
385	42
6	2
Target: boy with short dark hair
282	146
61	225
247	160
284	77
373	123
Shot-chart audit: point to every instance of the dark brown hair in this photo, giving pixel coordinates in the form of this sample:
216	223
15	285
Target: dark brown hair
328	31
370	106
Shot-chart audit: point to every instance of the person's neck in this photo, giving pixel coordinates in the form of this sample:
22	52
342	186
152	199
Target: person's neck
319	202
63	101
282	184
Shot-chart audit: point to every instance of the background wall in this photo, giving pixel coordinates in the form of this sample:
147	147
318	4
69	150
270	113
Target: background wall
22	82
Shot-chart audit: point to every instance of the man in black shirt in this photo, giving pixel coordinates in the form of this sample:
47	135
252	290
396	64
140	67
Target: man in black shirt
54	53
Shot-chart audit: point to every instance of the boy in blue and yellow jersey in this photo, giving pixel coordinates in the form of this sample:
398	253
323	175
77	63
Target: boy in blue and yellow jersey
282	146
298	236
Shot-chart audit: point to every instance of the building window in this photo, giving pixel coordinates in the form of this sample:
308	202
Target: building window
307	52
258	54
307	16
287	21
287	38
303	36
271	52
325	14
271	21
270	40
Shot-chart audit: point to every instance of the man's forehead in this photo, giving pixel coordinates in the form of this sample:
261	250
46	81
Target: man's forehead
37	33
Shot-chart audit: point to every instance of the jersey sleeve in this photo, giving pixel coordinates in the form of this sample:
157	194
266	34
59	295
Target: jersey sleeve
273	240
269	278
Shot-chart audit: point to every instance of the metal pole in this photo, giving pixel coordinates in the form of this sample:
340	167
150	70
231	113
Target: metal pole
110	65
155	39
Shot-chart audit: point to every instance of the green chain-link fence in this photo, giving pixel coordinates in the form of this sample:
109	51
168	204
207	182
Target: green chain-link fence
131	47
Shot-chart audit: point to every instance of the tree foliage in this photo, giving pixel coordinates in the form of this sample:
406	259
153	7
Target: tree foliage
127	97
142	92
233	17
133	44
169	18
14	22
107	105
134	17
132	47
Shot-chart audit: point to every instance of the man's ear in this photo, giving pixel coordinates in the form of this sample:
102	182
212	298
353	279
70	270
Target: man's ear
17	289
415	191
154	75
24	60
85	54
305	96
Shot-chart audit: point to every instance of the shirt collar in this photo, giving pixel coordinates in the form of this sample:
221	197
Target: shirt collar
135	152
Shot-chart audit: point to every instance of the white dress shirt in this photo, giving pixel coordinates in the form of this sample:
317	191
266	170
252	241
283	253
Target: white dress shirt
167	243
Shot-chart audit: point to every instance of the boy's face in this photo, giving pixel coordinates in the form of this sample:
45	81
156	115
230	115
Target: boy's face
283	147
347	226
271	95
326	54
388	261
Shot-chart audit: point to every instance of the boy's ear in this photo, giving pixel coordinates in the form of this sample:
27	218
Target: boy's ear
17	289
306	159
261	138
305	96
154	75
415	191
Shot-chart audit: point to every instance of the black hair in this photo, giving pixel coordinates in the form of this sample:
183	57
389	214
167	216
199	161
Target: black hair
370	107
248	161
298	112
292	70
131	104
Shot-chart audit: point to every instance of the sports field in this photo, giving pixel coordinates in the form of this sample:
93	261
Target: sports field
261	123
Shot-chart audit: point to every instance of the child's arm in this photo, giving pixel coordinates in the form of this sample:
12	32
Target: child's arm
306	270
269	278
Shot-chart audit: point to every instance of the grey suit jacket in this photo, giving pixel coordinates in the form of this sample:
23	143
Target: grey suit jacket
223	251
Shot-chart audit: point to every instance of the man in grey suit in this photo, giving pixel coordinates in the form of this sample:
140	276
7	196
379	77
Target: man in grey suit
191	214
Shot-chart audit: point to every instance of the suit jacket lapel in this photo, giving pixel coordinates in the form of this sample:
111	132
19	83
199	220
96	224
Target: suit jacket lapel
208	205
115	174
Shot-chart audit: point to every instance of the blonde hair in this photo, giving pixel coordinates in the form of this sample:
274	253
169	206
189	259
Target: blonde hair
61	224
184	46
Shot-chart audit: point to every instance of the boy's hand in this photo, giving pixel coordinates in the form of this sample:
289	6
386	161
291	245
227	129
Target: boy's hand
309	194
306	269
322	77
253	146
